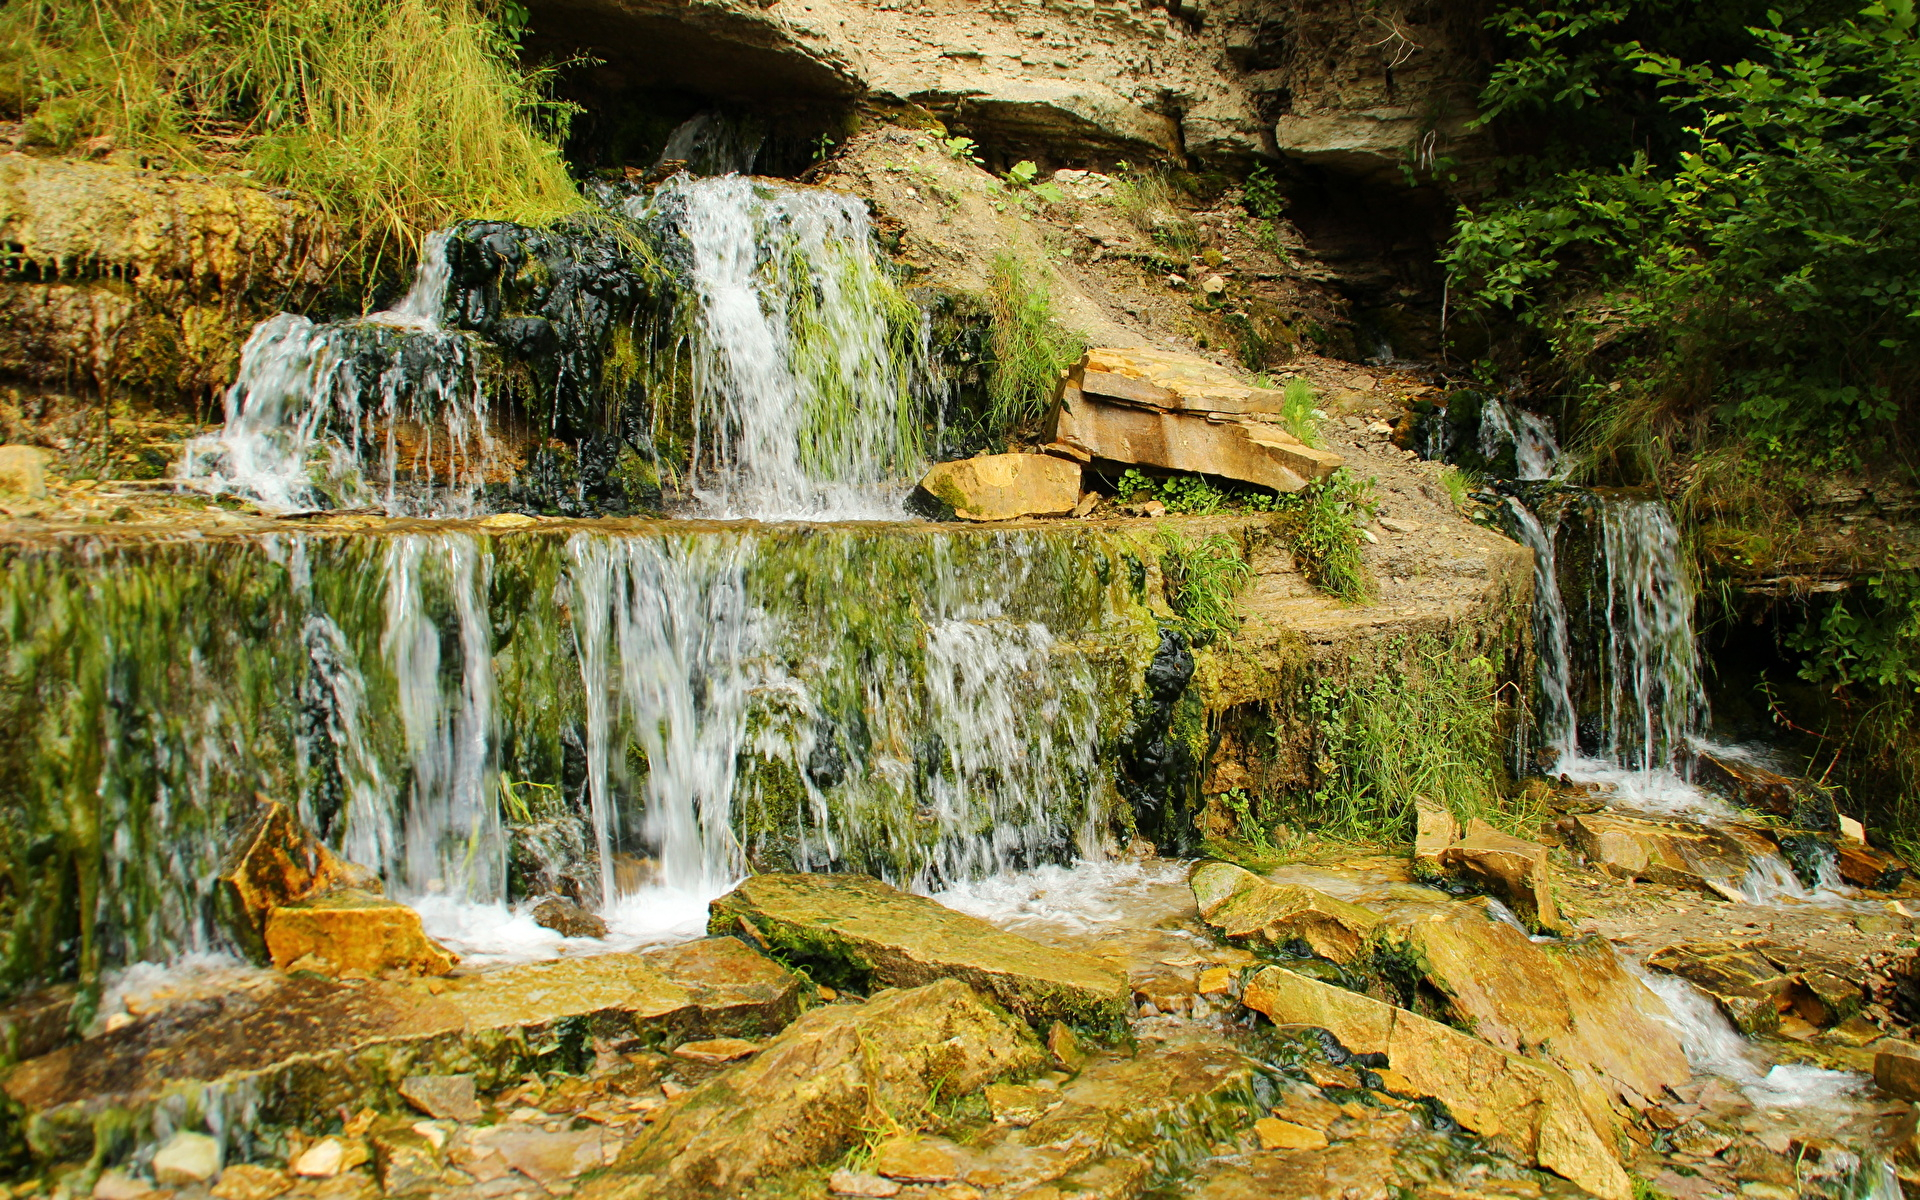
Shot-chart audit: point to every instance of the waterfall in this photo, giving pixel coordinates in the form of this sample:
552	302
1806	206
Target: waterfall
385	410
1558	723
1536	453
805	359
1650	681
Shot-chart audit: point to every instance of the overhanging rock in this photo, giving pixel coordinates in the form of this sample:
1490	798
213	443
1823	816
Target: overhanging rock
1180	413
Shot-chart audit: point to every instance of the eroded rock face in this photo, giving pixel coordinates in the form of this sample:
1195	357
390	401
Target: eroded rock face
309	1046
1529	1108
999	487
1677	853
1514	869
805	1097
276	862
856	930
1247	908
1176	412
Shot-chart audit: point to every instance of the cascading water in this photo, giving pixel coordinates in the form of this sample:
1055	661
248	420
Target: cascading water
806	363
1558	723
384	410
693	700
1536	453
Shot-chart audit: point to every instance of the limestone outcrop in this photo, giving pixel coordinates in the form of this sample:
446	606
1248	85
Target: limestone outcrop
1514	869
1000	487
1531	1109
1247	908
1175	412
1713	859
856	931
808	1093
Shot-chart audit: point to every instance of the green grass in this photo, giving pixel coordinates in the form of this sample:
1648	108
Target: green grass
1146	199
1298	414
397	116
1319	525
1459	485
1203	576
1424	723
1030	348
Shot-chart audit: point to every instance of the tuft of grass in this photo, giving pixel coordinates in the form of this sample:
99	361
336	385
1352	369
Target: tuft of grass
1424	723
1459	485
1321	525
1203	576
397	116
1146	199
1030	348
1298	414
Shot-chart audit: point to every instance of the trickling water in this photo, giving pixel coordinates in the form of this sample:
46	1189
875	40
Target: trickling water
1558	722
384	410
806	361
1650	684
1536	453
713	144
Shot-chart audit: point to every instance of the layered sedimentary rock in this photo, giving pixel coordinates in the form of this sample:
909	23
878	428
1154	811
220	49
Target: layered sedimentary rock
998	487
1176	412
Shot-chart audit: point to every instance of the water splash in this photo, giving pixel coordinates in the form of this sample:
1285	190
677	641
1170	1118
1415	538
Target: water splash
387	410
1536	453
805	358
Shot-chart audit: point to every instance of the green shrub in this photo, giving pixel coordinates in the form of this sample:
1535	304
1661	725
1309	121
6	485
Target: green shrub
1320	527
396	115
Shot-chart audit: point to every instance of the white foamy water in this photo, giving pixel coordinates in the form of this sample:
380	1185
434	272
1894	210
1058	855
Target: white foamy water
803	376
1536	453
1082	896
386	410
501	934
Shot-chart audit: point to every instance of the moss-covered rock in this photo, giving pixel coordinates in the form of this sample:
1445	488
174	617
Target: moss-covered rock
854	931
1247	908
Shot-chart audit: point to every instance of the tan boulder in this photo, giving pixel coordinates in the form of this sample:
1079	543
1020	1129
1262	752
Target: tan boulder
1676	853
1000	487
1435	828
350	930
1245	907
1571	1003
856	931
816	1089
1181	413
1530	1109
1864	866
276	862
1896	1070
1741	980
23	471
1514	869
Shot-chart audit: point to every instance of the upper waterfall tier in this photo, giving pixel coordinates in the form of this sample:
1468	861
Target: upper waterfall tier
593	711
724	347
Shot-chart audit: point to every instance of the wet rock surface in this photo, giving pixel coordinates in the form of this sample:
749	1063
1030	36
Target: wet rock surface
856	931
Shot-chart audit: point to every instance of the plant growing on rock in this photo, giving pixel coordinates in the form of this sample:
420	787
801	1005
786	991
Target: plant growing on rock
1203	576
396	116
1321	528
1029	347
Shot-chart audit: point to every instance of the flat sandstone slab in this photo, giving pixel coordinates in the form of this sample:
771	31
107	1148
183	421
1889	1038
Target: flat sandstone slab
865	933
300	1047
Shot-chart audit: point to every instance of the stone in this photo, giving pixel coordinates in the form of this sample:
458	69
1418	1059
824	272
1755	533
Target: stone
856	930
1000	487
23	472
812	1090
1804	804
568	919
1514	869
1747	987
251	1181
1358	1170
1182	413
1123	1106
1712	859
186	1158
716	1050
1275	1134
1065	1047
116	1184
854	1183
273	863
405	1160
545	1156
1699	1140
1435	828
1852	830
1215	981
322	1160
1531	1109
307	1046
352	930
1019	1103
1213	285
1247	908
915	1160
443	1097
1896	1070
1865	866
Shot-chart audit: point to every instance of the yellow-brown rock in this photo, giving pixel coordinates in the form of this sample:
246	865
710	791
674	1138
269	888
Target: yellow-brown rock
1000	487
1531	1109
1676	853
351	930
1514	869
275	862
1741	980
1178	412
1435	828
1245	907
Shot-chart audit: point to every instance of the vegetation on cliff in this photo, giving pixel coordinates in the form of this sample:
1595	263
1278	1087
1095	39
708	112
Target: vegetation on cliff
398	117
